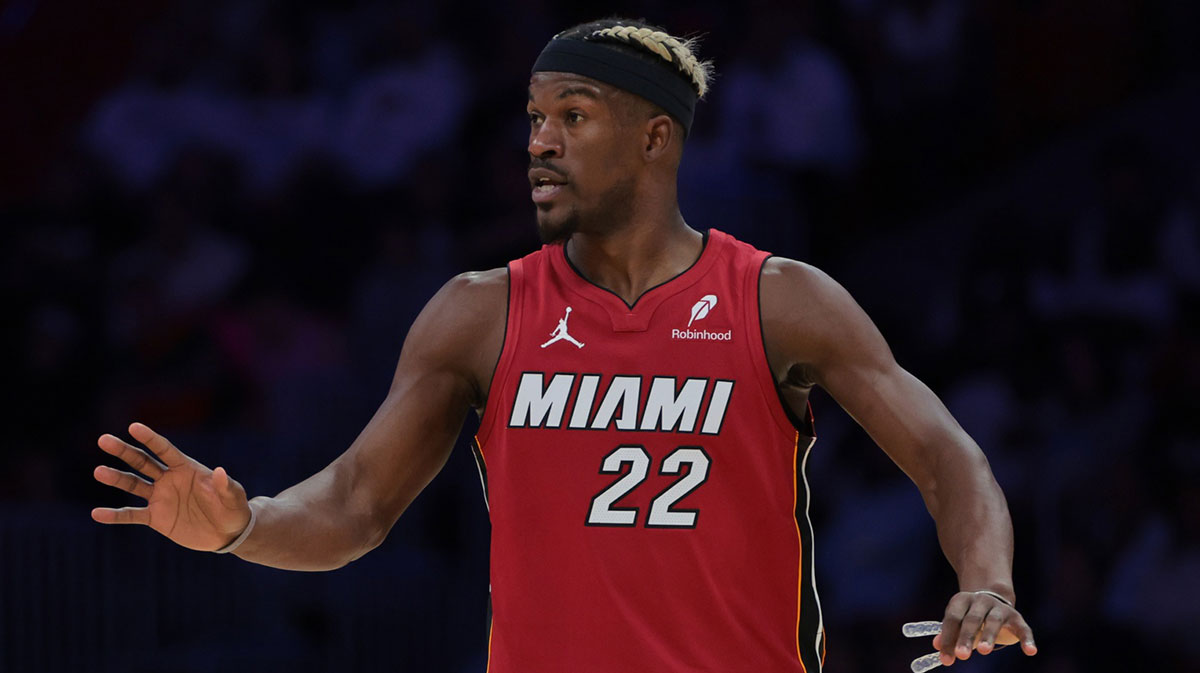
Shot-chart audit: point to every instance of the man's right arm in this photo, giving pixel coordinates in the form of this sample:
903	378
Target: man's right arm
346	509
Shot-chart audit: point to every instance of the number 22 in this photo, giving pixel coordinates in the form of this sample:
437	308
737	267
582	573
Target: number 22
662	515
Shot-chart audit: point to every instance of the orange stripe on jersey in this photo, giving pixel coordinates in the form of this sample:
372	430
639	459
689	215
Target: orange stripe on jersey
491	627
799	544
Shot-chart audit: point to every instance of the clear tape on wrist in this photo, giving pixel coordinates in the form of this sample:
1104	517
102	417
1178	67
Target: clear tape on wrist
237	542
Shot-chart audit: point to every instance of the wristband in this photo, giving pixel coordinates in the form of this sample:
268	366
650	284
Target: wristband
237	542
995	595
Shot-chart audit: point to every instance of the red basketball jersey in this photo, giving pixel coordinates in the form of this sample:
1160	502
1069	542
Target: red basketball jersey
645	485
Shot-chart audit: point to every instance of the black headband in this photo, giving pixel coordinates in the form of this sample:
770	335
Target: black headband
659	85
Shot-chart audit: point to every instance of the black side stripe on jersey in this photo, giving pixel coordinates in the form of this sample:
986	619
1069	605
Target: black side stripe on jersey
810	629
477	451
810	633
487	636
480	463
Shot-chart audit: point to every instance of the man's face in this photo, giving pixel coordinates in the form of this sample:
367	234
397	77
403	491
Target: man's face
583	154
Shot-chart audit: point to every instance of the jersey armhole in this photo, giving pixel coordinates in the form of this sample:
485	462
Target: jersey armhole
512	324
780	411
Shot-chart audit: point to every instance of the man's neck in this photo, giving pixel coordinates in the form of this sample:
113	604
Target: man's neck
635	258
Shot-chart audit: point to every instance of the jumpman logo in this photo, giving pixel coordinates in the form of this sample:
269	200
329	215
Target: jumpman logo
560	332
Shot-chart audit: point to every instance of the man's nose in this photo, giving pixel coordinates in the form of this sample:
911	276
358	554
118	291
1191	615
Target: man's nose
545	142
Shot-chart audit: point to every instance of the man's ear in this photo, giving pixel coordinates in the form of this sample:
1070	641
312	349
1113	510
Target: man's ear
661	135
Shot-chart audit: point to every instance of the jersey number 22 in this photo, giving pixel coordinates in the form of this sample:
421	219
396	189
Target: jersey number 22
662	514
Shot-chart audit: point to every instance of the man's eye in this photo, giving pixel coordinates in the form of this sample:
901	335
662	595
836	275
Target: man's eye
574	117
533	118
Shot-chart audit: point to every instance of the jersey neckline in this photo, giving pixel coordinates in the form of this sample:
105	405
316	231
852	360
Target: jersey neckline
635	317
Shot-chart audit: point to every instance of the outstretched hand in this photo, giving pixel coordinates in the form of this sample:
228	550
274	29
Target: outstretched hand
978	622
191	505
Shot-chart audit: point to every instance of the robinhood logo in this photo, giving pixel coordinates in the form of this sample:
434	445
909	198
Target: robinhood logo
701	308
700	311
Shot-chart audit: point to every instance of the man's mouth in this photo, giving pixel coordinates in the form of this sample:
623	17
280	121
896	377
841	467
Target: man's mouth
546	185
545	192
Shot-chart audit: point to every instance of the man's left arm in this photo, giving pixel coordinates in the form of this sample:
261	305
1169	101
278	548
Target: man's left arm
816	334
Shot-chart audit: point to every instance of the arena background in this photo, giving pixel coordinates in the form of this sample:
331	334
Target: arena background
220	217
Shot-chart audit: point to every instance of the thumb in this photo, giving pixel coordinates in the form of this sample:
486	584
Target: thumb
224	486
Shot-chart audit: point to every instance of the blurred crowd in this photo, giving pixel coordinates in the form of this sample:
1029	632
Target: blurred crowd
230	241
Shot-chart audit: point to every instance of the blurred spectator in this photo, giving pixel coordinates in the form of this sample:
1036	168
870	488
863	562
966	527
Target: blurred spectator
1179	245
1156	577
789	103
1114	270
922	41
395	114
788	126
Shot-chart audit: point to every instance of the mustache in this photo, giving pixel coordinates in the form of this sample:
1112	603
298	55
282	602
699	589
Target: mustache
536	162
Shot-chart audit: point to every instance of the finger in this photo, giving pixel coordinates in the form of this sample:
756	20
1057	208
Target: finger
130	483
133	456
137	515
991	629
1017	624
951	623
971	624
161	447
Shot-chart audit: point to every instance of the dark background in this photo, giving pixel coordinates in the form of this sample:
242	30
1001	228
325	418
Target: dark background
220	217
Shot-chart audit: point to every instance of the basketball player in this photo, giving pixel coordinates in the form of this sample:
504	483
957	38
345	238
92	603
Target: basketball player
644	467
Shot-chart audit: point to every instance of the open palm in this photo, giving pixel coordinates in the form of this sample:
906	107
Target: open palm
188	503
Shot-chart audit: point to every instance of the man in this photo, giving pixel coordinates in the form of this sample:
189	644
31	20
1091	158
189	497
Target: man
644	466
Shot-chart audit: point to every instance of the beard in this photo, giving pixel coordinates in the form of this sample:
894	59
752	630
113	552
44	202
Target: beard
552	230
615	210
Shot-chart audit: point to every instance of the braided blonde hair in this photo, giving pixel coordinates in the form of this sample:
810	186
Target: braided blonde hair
653	42
669	48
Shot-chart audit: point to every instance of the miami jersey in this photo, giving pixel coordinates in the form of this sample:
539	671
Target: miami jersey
645	485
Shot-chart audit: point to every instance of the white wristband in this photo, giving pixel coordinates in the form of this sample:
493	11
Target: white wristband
237	542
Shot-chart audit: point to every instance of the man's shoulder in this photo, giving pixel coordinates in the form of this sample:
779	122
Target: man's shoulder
462	328
468	302
478	285
791	277
801	298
